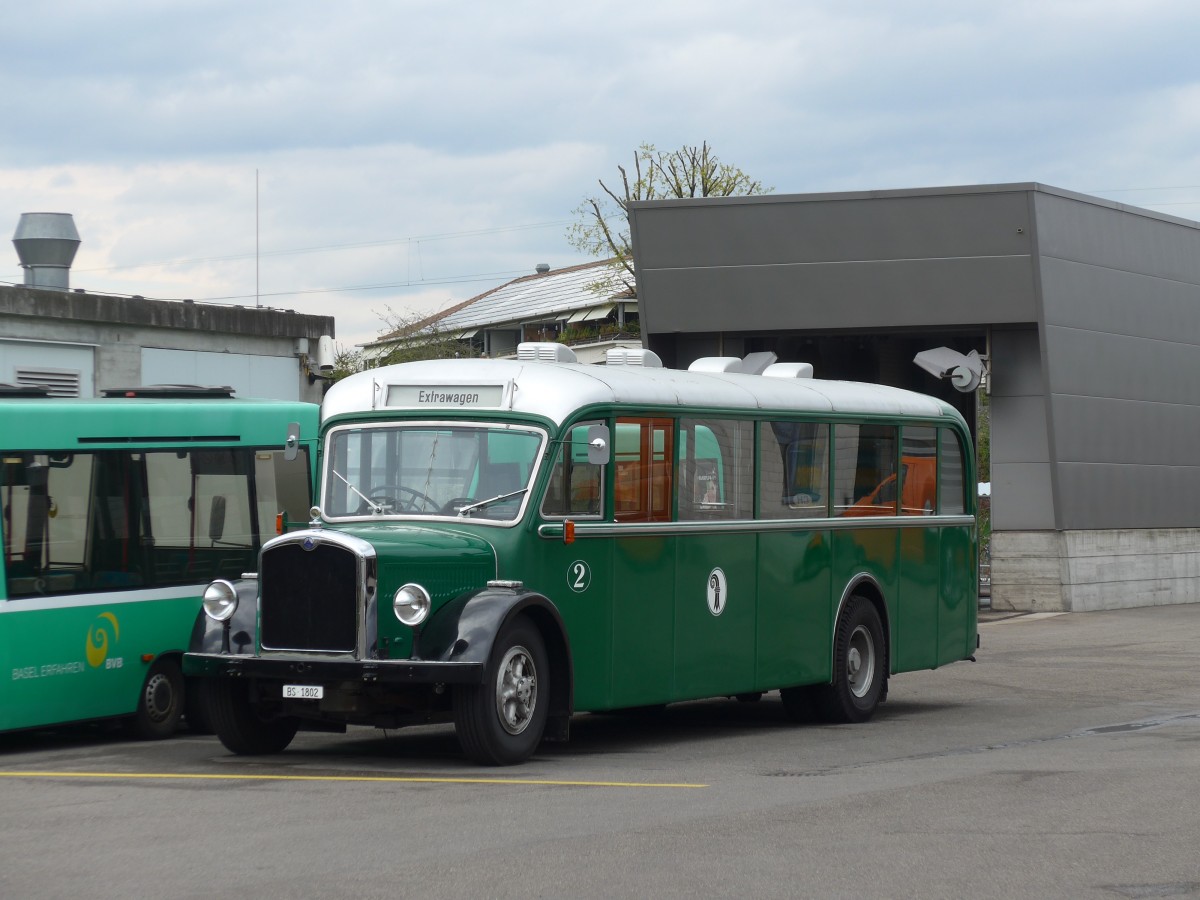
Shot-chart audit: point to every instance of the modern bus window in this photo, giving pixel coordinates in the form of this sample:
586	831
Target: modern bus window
864	470
114	520
951	487
716	469
794	470
575	484
45	506
643	456
918	470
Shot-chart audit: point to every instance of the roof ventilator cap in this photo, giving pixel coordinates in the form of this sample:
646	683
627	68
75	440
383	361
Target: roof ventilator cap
720	365
545	352
789	370
632	356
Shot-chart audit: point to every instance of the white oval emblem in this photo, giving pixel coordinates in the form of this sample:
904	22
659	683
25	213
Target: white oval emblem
718	592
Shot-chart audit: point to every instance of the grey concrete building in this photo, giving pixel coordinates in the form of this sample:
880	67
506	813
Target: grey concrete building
1087	311
80	344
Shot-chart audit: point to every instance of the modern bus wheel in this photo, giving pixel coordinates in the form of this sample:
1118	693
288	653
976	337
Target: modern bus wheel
160	704
240	724
859	666
500	722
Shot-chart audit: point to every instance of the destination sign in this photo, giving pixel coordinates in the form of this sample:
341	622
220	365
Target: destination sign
445	396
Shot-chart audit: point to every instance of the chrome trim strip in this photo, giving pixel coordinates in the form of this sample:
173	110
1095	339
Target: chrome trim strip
586	529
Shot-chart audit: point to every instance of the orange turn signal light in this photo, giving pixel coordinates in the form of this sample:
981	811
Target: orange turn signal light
568	532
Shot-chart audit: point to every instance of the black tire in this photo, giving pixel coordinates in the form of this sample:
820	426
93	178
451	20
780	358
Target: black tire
860	666
240	724
500	722
195	706
160	703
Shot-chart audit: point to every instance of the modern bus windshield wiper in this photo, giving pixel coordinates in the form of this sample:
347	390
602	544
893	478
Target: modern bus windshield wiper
376	508
463	510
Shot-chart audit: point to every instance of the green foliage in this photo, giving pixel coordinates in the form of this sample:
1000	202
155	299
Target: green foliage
412	338
602	229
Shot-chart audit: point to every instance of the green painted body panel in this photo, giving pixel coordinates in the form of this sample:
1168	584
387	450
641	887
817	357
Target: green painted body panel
643	614
795	611
76	662
715	654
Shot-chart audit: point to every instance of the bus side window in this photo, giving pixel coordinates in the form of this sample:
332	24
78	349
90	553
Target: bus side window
794	466
643	459
716	469
45	507
950	475
864	470
575	484
918	471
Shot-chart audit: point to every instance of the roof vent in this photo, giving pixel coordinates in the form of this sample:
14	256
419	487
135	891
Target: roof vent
632	356
46	245
788	370
542	268
545	352
717	364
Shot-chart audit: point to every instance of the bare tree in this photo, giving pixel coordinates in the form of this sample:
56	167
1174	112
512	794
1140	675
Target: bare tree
602	229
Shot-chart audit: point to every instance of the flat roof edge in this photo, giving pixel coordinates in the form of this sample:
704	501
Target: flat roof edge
895	193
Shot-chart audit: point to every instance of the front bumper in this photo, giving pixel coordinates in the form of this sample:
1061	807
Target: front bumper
329	671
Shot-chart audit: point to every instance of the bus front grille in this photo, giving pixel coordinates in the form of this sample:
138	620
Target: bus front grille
309	598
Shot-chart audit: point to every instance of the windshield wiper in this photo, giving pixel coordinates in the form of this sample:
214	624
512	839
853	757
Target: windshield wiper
376	508
463	510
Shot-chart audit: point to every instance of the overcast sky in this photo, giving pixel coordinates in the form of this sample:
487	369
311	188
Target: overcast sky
410	155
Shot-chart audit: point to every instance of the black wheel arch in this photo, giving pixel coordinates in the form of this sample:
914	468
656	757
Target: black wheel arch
864	585
235	634
465	630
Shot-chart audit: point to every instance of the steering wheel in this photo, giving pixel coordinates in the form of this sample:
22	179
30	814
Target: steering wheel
389	497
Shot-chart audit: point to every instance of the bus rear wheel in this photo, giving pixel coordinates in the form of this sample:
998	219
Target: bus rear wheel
859	666
160	704
500	722
240	724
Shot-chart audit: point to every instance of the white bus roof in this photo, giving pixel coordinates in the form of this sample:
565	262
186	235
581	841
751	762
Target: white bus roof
556	390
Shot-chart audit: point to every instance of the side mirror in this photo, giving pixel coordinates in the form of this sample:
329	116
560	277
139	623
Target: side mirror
292	447
597	444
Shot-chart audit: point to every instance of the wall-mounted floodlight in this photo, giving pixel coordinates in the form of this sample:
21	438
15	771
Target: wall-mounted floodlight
965	371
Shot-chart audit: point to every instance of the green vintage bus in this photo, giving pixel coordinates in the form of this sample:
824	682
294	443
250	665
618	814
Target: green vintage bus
503	543
116	513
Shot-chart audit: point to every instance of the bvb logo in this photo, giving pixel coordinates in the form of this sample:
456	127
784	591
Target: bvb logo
98	638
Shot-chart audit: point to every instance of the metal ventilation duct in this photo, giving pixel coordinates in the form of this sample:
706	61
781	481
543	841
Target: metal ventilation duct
46	245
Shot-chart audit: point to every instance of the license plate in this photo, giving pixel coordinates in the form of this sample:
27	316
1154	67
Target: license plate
303	692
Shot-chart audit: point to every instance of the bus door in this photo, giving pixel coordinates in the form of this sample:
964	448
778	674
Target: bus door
578	575
916	622
57	639
959	594
716	563
643	566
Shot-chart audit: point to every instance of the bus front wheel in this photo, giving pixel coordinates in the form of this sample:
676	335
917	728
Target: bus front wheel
160	704
241	725
500	722
859	666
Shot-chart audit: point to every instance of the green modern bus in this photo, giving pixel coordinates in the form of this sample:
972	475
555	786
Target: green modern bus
503	543
117	512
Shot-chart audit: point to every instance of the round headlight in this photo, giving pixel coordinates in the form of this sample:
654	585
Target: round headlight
220	600
411	604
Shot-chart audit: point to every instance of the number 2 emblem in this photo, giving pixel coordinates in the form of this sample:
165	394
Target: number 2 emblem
579	576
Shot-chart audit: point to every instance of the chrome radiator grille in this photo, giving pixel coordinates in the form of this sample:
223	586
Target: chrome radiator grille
309	597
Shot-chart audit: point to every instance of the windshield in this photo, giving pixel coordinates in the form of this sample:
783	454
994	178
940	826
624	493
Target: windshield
467	471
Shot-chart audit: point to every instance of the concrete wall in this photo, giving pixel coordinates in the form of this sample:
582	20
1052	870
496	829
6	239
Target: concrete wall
121	327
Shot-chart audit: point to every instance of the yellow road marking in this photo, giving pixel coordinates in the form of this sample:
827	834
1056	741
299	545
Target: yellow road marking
399	779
